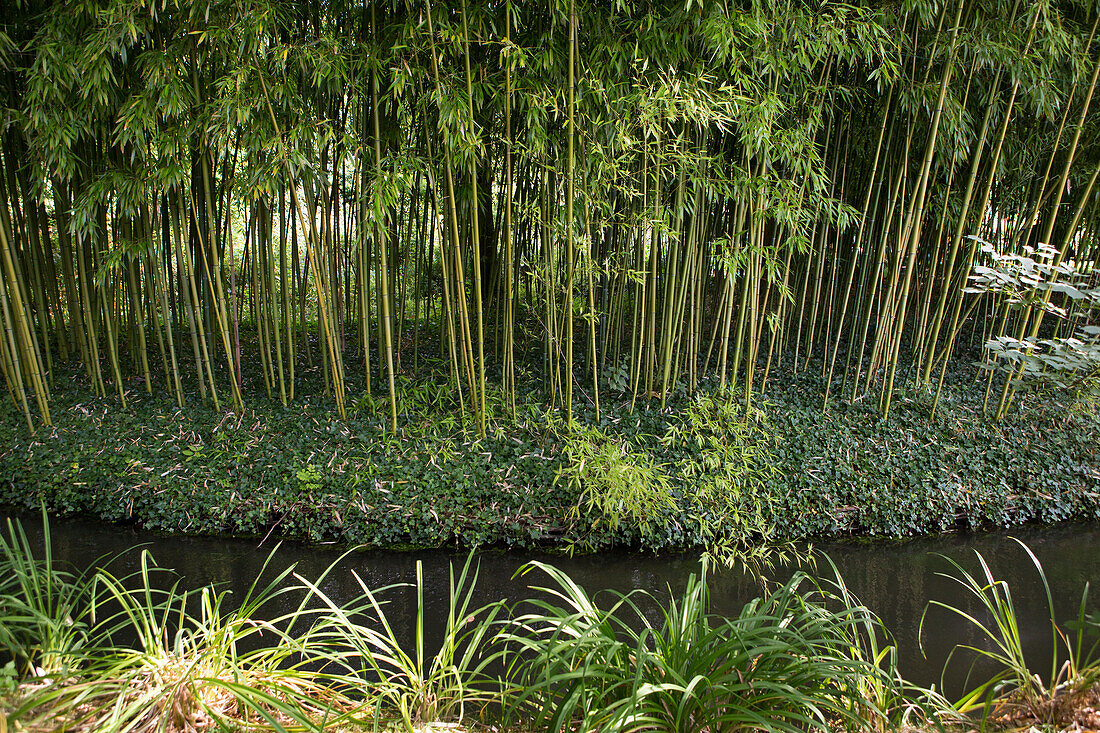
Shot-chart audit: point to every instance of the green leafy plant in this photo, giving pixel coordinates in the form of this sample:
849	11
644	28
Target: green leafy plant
727	469
616	483
44	623
1037	279
793	472
187	661
1015	688
309	479
403	682
786	662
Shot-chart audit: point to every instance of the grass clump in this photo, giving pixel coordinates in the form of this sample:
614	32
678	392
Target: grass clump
197	662
44	615
143	657
786	662
1016	694
366	653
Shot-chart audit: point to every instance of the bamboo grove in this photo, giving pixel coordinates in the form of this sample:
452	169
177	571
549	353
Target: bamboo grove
497	194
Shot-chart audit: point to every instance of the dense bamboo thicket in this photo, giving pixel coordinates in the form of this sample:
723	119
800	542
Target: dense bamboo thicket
570	194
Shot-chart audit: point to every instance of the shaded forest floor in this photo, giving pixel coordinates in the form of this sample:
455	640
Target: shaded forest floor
697	469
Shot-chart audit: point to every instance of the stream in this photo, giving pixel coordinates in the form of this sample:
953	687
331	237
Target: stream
895	580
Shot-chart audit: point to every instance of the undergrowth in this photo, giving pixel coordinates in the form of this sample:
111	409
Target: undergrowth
700	472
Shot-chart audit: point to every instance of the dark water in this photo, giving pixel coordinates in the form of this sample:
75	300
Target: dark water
896	581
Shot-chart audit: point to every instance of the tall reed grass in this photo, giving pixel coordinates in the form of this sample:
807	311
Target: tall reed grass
1016	690
43	609
366	653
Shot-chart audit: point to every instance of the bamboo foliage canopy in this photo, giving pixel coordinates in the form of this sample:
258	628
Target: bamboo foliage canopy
572	194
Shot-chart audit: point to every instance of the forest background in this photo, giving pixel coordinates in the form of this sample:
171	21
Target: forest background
568	273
